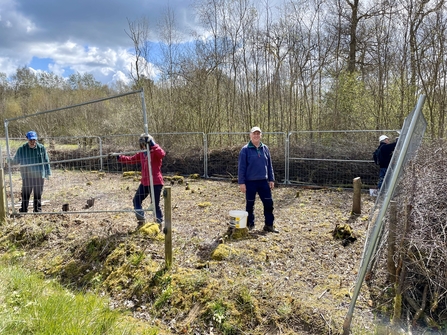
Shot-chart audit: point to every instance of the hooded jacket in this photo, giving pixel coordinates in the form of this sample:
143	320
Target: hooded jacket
157	155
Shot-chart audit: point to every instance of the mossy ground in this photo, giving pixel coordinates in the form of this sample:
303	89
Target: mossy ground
295	282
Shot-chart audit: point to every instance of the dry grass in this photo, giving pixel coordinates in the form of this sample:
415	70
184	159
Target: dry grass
295	282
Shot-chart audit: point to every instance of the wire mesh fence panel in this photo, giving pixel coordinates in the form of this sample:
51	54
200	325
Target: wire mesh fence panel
78	159
184	151
223	153
412	133
333	158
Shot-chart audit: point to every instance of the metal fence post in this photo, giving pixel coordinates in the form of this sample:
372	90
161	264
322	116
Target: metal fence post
167	229
205	156
286	159
3	207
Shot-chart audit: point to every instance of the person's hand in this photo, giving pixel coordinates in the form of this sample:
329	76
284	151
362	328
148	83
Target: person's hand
242	188
47	177
113	154
271	184
150	140
8	162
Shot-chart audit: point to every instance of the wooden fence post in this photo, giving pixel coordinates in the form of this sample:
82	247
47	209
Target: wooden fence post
167	229
391	249
356	201
3	207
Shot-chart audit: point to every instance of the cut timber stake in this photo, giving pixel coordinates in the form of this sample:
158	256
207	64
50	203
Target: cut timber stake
356	201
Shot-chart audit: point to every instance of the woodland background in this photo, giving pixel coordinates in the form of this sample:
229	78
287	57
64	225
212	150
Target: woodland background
304	65
308	65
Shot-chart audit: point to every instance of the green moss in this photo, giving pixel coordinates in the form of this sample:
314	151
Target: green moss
178	179
29	235
180	290
223	251
131	174
74	269
239	233
95	249
129	268
151	230
342	231
12	256
119	256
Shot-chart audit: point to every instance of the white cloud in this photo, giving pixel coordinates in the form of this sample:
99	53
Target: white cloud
56	69
83	36
120	76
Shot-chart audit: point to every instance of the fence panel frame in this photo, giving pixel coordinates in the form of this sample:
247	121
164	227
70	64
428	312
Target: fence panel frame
313	133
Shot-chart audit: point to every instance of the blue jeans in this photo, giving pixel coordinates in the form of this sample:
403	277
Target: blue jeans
142	193
382	174
263	189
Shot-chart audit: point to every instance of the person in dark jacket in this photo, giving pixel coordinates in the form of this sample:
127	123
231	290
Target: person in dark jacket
32	153
385	154
255	175
143	191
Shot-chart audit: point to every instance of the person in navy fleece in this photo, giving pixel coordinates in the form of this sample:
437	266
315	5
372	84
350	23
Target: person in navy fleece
385	154
255	175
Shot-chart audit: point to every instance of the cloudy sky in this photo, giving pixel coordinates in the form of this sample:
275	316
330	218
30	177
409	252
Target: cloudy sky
67	36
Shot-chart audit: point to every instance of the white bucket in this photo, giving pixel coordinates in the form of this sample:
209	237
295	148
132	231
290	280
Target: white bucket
238	219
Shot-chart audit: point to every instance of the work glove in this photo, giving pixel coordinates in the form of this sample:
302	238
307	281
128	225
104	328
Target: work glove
113	154
150	140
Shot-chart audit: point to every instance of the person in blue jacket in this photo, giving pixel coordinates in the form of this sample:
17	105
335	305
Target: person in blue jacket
255	175
385	154
32	153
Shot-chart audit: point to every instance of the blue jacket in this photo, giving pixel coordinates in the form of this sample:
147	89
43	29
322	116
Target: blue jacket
255	164
37	155
385	154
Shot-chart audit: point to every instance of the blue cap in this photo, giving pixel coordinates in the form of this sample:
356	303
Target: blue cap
31	135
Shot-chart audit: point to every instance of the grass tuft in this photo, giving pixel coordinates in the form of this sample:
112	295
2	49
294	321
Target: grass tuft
31	305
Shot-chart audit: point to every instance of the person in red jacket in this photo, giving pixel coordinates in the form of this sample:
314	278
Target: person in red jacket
143	191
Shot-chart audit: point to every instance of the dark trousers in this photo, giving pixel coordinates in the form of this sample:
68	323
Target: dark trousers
142	193
382	174
263	189
30	185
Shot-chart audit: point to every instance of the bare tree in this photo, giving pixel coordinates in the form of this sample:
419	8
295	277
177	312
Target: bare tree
139	34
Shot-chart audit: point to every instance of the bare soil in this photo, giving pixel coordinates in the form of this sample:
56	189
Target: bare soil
221	281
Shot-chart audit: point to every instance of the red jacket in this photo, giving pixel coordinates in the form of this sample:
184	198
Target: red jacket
157	154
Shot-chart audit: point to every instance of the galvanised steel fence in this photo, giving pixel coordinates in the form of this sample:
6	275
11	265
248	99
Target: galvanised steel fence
223	150
320	158
332	158
306	158
317	158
